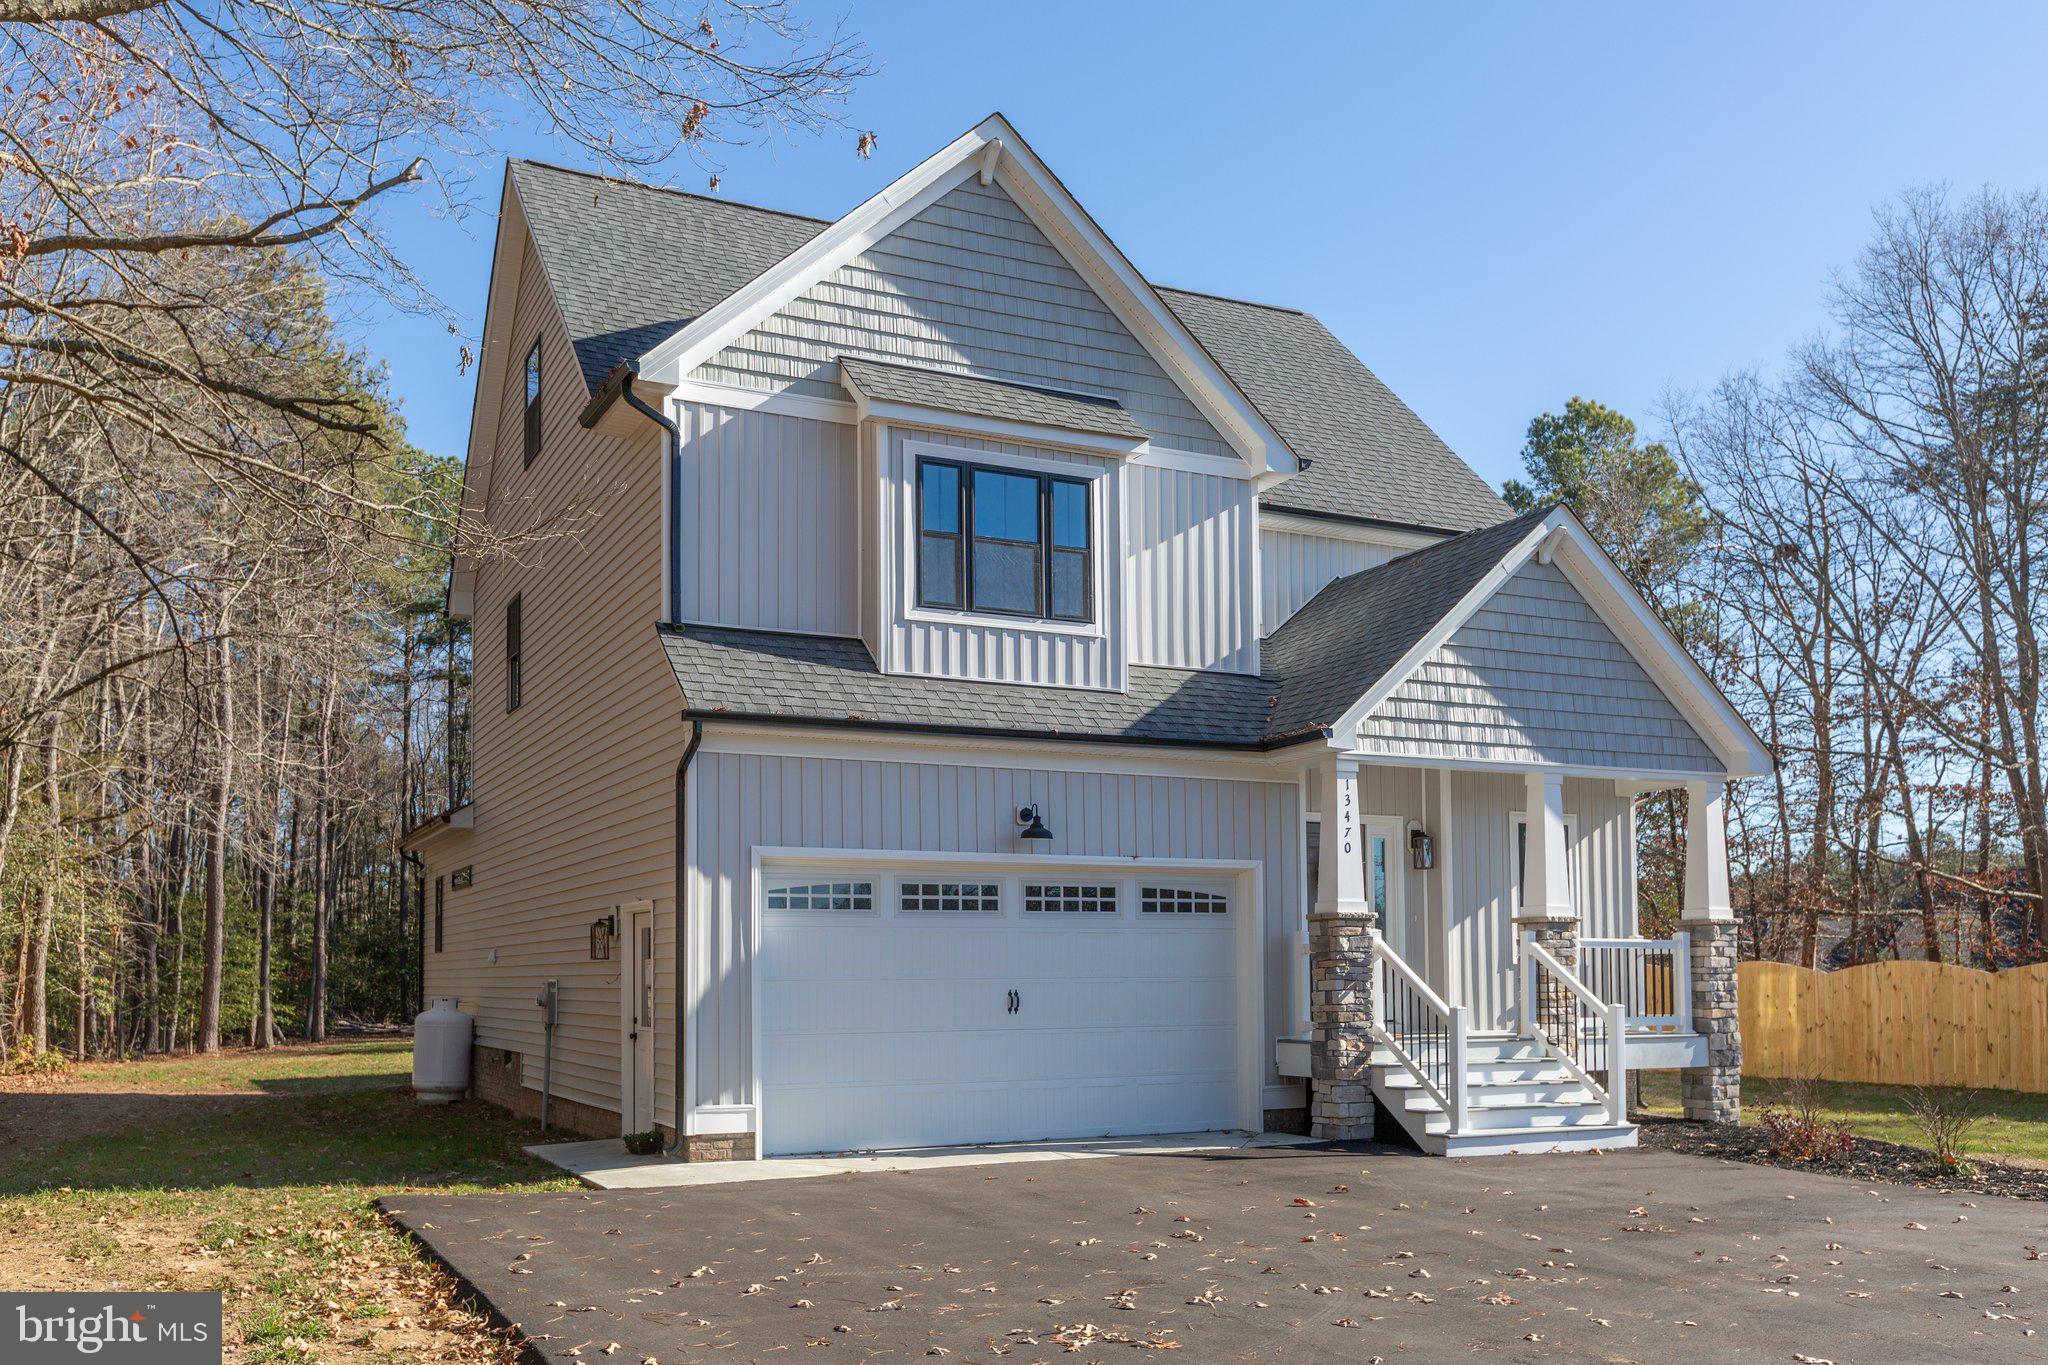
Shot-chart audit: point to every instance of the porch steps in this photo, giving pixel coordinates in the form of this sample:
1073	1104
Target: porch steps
1517	1101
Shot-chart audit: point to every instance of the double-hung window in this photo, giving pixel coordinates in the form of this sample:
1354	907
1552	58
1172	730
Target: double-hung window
1004	541
515	676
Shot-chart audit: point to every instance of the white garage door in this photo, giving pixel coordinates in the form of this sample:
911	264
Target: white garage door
930	1008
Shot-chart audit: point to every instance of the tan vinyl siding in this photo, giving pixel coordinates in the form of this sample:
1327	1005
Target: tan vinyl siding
1535	676
574	791
970	286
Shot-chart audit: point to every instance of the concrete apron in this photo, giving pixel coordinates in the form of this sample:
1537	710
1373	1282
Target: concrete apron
604	1164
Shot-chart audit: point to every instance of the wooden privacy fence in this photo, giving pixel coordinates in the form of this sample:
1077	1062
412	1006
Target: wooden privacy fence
1898	1023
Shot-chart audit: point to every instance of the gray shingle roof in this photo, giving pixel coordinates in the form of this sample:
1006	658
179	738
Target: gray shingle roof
754	673
994	398
1369	455
633	264
1331	652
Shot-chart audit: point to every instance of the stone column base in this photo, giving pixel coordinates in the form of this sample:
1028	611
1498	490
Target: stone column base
1713	1093
1559	938
1340	1006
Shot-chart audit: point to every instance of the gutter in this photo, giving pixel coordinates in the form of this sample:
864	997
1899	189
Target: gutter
682	921
917	727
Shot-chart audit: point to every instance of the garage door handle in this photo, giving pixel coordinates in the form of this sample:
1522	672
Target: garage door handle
1016	1002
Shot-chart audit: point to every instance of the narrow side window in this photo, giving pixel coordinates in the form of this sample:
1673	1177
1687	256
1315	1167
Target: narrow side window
532	403
514	681
440	904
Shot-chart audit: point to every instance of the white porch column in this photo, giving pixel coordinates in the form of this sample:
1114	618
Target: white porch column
1712	1093
1706	854
1546	872
1340	880
1341	968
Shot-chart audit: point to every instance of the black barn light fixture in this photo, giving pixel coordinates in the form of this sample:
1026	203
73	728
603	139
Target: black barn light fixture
1033	824
602	931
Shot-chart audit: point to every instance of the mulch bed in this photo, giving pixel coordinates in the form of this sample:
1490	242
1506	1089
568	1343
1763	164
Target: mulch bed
1889	1163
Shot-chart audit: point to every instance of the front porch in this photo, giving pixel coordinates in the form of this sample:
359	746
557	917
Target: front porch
1471	957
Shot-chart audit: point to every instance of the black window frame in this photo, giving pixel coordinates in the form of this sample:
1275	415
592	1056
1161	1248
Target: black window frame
440	907
515	652
963	569
534	382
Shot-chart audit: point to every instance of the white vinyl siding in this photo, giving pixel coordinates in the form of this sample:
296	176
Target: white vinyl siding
767	530
1535	676
742	801
1191	542
971	286
1293	567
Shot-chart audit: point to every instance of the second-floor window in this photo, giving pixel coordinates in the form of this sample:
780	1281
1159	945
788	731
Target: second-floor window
514	680
532	402
440	905
1004	541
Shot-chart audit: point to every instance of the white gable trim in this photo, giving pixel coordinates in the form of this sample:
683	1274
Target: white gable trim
1055	213
1568	544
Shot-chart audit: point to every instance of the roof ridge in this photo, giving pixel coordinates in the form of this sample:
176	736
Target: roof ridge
668	189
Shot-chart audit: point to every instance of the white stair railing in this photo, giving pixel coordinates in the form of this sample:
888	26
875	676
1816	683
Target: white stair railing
1651	976
1424	1034
1575	1026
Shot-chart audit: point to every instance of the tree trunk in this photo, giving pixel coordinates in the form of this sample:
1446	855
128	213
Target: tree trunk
217	855
36	979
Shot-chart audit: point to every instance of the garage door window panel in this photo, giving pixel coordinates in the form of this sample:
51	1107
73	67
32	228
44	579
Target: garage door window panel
835	895
950	898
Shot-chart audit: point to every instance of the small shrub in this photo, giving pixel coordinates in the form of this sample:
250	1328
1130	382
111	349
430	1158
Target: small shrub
1946	1118
1795	1127
644	1144
23	1061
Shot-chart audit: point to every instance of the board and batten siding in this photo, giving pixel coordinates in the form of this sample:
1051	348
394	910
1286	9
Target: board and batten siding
574	791
1191	543
1481	855
1535	676
985	648
767	525
743	801
971	286
1295	566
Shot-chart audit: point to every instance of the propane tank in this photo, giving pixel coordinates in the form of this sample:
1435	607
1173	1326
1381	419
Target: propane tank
440	1052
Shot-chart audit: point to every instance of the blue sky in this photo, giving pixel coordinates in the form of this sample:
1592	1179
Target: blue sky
1496	206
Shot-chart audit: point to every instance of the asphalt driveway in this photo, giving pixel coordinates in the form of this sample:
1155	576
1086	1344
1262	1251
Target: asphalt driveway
1286	1254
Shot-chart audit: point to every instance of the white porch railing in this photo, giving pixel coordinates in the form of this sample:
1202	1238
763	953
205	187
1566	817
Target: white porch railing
1424	1034
1576	1027
1650	977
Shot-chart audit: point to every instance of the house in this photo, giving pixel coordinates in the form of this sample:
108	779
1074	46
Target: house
934	685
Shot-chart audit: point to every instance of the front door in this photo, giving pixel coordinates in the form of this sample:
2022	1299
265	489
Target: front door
640	1034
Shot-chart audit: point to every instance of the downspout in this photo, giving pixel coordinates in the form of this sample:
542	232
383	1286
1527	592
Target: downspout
419	960
682	917
674	568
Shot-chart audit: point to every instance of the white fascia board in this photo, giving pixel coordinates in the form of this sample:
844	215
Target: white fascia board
1055	212
778	401
769	292
1344	733
1625	779
1388	536
1029	433
969	751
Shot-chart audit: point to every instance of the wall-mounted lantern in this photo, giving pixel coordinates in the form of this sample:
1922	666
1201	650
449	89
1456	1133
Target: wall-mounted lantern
1421	849
602	931
1033	824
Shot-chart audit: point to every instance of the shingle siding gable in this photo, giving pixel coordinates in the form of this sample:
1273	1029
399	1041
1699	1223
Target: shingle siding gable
970	286
1536	676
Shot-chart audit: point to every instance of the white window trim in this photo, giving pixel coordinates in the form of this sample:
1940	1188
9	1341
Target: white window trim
1097	477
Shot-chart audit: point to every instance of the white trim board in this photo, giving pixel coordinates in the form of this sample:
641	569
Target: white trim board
1055	213
967	751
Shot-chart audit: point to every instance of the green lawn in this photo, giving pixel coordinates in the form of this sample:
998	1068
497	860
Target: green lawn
2014	1125
253	1173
